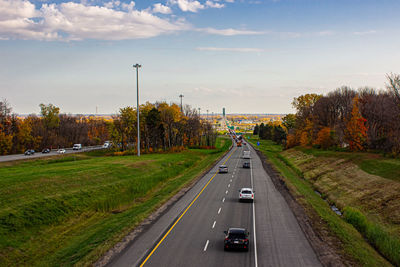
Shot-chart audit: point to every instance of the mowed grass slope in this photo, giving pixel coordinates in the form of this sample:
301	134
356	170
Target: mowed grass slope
352	245
71	209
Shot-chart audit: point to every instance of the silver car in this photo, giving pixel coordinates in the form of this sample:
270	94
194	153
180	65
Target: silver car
246	194
223	169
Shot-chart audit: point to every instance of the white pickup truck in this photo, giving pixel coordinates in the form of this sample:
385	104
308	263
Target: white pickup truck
246	154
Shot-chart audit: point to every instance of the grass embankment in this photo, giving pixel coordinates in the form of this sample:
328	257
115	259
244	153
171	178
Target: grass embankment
71	209
352	244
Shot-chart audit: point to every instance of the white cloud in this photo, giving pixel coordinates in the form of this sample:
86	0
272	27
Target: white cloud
365	32
18	9
214	5
230	49
128	7
112	4
160	8
188	5
76	21
325	33
228	32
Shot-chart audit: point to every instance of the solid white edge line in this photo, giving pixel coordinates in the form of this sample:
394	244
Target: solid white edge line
214	224
254	219
205	247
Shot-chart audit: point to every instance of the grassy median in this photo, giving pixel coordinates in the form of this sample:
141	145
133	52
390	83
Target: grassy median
68	210
352	245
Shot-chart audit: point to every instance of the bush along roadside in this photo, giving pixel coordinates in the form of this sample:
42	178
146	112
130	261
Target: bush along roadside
348	241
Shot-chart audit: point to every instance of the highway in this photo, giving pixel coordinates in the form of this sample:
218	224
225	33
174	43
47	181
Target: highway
190	233
39	154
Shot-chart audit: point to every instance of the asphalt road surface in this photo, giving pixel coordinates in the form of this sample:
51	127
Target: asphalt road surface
191	232
39	154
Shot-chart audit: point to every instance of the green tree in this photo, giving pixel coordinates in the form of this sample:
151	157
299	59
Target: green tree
50	115
289	122
278	134
256	129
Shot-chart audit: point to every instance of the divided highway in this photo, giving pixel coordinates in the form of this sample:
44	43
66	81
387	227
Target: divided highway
191	232
53	152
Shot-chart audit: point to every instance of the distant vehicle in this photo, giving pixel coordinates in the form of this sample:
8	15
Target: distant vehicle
239	143
246	155
236	238
46	150
244	143
246	194
29	152
61	151
246	165
77	147
223	169
107	144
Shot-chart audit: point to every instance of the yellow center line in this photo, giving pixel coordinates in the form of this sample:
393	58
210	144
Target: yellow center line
180	217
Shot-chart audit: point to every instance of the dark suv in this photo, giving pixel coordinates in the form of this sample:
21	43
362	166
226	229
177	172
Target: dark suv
236	238
246	165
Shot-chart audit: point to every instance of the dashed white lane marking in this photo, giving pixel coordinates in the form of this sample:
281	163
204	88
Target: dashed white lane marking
229	185
214	224
223	200
232	176
226	192
231	180
205	247
219	210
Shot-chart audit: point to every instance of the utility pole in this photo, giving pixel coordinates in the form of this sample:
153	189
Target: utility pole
181	96
207	114
137	66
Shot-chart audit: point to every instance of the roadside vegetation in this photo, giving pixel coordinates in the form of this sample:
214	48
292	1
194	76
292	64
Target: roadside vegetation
368	197
68	210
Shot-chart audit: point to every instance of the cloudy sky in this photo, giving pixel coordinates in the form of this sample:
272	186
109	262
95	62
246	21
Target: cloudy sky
250	56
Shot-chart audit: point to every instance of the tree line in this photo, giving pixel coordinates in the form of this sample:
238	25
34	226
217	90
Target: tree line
363	119
270	131
162	126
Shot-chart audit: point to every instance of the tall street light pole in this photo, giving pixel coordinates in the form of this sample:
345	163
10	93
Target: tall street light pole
137	66
181	96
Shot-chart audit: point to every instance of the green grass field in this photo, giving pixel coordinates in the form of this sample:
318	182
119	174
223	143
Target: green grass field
68	210
352	244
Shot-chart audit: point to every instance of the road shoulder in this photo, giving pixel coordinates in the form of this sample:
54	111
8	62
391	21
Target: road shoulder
323	244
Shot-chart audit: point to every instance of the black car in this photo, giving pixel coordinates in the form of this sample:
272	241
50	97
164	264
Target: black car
46	150
246	165
236	238
29	152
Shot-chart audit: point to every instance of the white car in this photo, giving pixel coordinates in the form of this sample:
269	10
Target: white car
246	194
223	169
107	144
61	151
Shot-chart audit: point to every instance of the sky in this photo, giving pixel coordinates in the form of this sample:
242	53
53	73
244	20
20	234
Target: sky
249	56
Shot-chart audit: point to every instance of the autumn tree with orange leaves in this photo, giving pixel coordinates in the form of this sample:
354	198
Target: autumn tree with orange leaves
356	129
